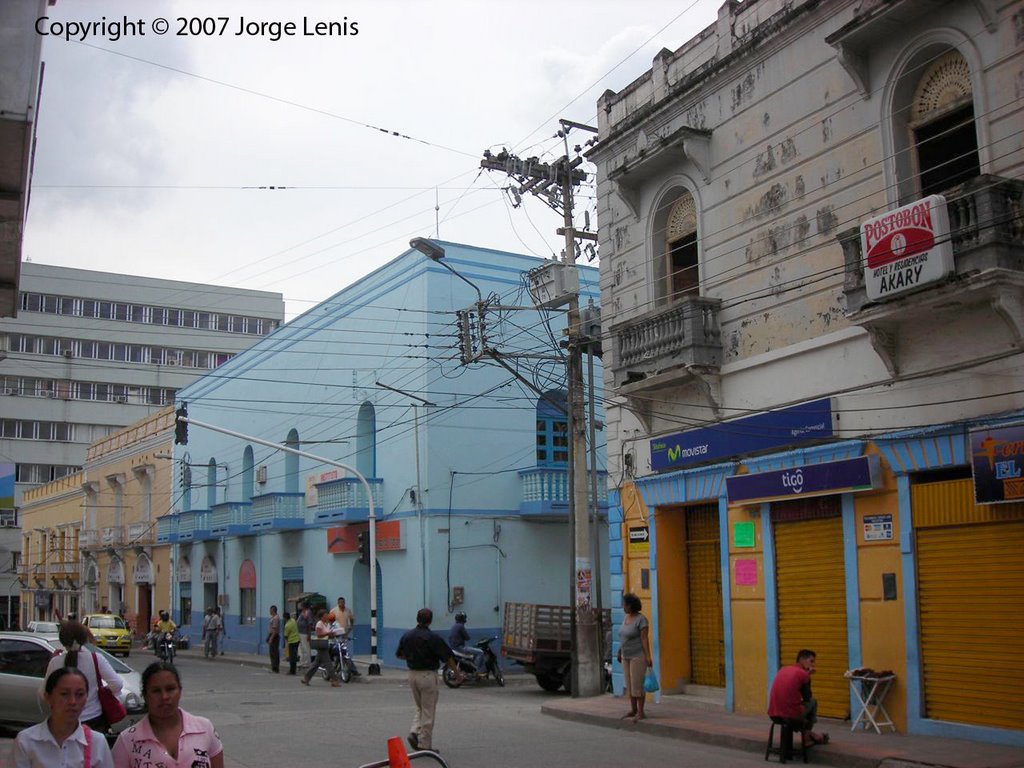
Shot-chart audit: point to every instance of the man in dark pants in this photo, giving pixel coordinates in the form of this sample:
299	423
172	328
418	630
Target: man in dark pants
790	700
423	652
274	640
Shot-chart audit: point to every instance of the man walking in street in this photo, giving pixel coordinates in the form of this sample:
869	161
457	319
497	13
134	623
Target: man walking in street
305	625
423	652
219	633
209	634
274	639
344	617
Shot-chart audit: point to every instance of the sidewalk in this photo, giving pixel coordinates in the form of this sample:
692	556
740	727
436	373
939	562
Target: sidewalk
675	718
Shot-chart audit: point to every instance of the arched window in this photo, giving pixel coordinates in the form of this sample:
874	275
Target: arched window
291	463
366	441
933	129
247	474
675	247
211	483
942	120
553	429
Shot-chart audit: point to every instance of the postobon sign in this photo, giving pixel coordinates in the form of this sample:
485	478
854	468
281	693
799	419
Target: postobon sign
906	248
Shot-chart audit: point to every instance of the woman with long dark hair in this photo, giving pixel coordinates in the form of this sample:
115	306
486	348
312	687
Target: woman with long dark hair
62	741
170	736
97	670
634	654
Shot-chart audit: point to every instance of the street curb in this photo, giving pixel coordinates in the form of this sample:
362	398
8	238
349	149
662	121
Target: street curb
735	741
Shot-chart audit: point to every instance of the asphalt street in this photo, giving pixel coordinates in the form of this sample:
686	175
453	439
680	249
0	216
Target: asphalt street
271	721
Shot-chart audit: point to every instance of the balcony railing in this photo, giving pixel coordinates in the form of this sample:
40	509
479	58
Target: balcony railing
278	510
668	341
88	538
112	536
230	518
345	499
166	529
141	534
546	491
193	524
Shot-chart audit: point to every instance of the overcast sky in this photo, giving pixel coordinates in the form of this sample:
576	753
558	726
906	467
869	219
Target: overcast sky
149	147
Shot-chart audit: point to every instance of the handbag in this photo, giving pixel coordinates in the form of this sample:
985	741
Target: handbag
651	681
113	709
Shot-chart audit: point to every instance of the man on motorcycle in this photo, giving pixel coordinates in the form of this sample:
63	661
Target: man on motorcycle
341	627
163	626
458	640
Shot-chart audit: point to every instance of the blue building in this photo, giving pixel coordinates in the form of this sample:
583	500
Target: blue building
467	463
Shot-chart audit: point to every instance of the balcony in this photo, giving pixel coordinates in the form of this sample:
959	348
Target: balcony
230	518
278	511
986	221
668	346
141	534
345	499
112	536
167	529
546	492
194	525
88	539
64	570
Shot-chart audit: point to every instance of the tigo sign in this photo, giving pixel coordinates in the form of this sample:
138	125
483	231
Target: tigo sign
906	248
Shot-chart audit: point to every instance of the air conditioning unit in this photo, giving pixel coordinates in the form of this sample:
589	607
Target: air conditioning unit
171	361
261	474
120	399
51	395
6	523
10	391
68	353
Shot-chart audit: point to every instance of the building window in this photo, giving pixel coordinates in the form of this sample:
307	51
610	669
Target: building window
942	124
247	606
676	248
553	429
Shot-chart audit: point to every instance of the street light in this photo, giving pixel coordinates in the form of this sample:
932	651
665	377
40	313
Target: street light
435	253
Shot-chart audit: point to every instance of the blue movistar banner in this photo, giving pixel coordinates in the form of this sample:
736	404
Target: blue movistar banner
751	434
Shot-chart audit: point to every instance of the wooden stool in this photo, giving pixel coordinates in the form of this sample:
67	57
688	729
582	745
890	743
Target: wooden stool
785	749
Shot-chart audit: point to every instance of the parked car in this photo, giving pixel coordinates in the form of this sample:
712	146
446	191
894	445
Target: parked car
110	632
44	627
24	657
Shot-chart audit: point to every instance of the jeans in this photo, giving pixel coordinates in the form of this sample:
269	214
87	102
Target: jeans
293	657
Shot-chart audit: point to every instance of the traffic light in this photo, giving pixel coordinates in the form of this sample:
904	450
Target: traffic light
364	547
181	427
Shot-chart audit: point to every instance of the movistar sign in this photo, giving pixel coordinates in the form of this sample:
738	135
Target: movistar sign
751	434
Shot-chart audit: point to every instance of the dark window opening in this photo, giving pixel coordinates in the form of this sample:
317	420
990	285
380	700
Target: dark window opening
947	151
683	266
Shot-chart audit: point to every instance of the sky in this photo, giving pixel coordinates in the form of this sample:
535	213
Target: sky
155	152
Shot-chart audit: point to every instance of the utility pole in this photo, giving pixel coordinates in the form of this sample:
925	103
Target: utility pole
554	183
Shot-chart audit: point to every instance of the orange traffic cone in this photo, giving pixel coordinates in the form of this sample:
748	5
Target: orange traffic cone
397	757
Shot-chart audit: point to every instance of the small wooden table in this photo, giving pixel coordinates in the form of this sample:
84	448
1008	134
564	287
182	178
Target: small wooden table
870	692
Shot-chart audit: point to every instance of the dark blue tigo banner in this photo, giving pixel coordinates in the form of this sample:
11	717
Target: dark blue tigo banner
997	461
6	486
752	434
860	474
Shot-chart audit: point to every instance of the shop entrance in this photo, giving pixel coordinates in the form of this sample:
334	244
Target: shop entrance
810	579
704	587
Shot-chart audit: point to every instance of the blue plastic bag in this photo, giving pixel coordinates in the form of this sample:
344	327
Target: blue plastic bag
651	681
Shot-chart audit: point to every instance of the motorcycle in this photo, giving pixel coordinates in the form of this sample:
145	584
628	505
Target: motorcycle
343	666
467	666
166	647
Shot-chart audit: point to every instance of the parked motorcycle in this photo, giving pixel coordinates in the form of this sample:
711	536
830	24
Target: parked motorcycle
341	661
467	666
166	647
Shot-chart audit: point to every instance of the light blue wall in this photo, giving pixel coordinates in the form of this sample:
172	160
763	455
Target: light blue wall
314	373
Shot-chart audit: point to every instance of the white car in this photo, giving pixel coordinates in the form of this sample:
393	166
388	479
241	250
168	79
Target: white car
24	657
44	627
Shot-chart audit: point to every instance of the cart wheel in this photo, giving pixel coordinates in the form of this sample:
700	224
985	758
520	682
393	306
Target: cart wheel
450	679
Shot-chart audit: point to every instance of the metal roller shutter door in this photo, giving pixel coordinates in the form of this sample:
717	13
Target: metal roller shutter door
704	577
811	589
970	582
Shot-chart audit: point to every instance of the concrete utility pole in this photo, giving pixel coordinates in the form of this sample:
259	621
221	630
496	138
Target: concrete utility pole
555	182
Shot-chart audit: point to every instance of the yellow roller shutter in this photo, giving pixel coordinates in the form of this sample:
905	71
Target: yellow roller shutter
811	589
970	587
707	647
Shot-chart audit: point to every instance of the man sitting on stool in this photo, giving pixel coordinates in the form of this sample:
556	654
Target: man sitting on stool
790	701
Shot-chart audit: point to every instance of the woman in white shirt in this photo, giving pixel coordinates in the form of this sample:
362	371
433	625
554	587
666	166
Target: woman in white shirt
61	741
74	636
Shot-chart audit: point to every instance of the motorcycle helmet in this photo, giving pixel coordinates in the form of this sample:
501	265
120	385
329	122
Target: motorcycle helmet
460	617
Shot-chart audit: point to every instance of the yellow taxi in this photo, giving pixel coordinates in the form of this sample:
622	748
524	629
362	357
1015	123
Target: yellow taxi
109	632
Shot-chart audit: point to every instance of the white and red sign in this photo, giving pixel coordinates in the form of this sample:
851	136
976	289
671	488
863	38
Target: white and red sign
906	248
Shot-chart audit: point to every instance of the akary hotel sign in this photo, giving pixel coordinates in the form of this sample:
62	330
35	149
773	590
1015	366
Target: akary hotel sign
906	248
